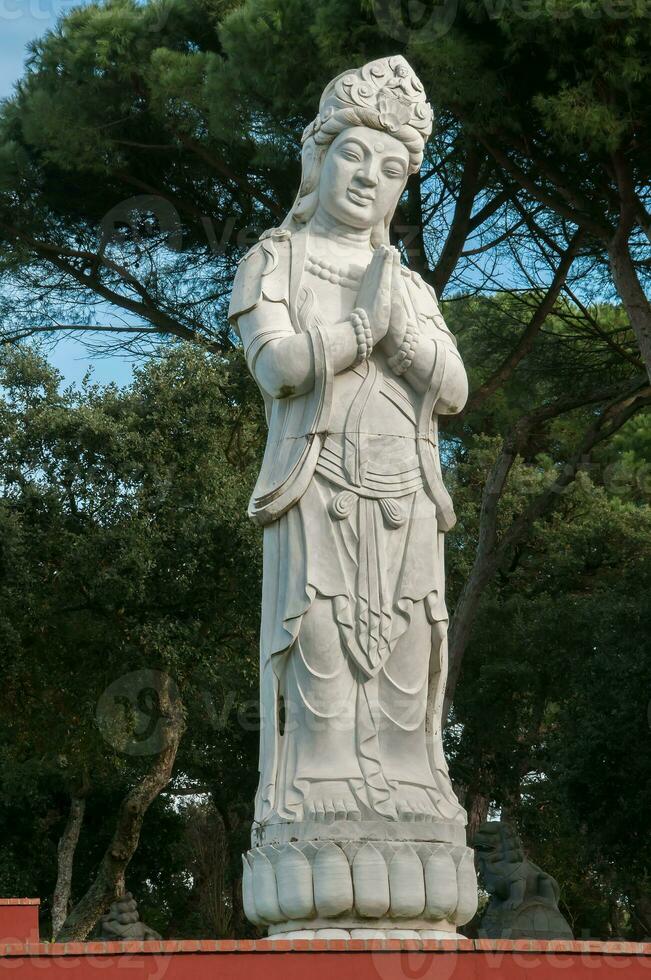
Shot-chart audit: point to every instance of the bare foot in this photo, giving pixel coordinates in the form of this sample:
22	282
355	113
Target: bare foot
413	803
328	802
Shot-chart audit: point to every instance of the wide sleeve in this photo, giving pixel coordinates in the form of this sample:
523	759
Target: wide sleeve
263	274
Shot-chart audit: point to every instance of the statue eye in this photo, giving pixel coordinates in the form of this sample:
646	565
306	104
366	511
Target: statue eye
393	172
350	154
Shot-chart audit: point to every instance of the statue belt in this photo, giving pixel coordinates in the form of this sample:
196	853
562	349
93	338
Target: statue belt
382	483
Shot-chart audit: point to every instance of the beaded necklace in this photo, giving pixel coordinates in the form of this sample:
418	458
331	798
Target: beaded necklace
330	273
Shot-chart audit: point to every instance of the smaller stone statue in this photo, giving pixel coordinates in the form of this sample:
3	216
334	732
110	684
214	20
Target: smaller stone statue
122	922
524	899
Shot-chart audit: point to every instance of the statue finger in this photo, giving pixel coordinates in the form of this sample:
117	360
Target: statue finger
397	308
387	275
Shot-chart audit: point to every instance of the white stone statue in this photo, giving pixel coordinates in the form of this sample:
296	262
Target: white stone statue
357	828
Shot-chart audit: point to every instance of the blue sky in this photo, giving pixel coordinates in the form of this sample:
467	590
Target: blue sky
20	22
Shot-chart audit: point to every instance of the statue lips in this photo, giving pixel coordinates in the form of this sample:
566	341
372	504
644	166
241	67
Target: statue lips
359	198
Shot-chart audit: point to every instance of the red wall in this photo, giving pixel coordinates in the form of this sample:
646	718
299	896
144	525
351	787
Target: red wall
19	920
332	960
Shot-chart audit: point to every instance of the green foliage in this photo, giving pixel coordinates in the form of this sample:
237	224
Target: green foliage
125	545
551	718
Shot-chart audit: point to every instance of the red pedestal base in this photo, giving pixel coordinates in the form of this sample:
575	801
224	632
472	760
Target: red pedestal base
325	959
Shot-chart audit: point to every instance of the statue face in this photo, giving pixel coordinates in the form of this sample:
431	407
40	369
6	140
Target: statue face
363	176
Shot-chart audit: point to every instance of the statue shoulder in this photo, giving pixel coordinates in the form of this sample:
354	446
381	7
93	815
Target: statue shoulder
263	273
426	304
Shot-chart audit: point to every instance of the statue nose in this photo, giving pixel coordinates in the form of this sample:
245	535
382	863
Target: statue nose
368	178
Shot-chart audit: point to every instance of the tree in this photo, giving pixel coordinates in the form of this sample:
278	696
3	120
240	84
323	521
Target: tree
105	226
125	548
558	96
551	713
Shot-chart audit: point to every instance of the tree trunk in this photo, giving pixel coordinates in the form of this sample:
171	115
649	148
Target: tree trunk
408	229
65	861
631	294
477	806
631	214
109	882
468	189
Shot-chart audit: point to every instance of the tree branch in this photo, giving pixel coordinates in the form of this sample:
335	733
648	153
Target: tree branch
576	216
545	307
78	327
460	225
490	552
222	168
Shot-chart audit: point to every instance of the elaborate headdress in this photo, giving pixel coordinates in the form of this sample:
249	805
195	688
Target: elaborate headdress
384	95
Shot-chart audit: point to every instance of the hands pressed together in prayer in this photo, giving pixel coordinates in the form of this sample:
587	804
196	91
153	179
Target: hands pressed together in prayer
380	295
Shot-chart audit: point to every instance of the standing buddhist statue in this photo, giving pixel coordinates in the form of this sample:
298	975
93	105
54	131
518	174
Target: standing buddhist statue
357	829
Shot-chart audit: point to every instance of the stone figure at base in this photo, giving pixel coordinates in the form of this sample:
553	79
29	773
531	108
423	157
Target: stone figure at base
356	824
122	922
524	899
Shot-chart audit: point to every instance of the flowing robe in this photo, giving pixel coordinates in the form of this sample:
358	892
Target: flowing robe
353	617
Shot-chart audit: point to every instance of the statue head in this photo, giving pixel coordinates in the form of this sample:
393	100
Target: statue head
367	138
496	842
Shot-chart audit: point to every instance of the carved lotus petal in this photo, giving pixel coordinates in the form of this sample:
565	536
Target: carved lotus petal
265	892
333	886
440	885
406	883
467	885
248	902
371	882
294	879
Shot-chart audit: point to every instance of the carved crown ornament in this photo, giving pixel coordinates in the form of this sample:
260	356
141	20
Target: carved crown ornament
387	92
